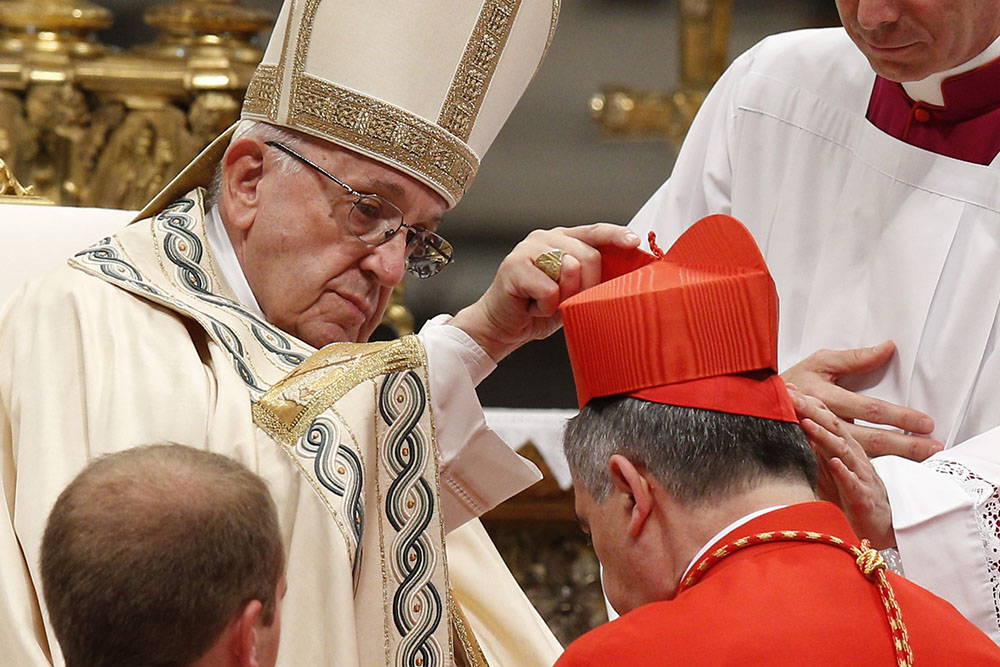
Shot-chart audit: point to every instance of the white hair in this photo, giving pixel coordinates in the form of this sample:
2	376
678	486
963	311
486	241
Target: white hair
265	132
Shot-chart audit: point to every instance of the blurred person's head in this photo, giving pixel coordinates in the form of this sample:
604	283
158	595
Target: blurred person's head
164	555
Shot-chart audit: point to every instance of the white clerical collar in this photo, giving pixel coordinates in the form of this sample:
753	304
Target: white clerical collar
229	263
725	531
929	90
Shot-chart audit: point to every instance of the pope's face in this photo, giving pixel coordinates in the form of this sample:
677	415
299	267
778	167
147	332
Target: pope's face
908	40
310	275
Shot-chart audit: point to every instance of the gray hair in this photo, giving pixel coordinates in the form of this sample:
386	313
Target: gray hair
698	455
265	132
150	552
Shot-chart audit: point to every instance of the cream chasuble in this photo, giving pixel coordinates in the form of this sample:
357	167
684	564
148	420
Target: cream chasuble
868	238
344	436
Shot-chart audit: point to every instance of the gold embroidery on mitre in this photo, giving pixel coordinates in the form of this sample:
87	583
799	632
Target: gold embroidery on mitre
262	94
552	32
477	67
285	411
355	119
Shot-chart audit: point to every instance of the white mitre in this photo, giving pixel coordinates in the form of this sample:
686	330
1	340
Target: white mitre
423	87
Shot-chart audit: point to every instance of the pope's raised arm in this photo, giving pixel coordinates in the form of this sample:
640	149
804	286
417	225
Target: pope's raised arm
522	303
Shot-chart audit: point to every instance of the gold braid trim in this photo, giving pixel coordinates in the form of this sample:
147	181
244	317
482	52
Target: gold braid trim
467	650
869	562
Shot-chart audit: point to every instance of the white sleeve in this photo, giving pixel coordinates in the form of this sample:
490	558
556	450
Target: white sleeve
702	178
478	469
946	516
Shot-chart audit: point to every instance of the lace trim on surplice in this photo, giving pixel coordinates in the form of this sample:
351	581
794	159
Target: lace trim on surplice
985	498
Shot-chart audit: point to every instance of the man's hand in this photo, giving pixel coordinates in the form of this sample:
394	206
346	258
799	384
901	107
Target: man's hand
817	376
522	303
846	476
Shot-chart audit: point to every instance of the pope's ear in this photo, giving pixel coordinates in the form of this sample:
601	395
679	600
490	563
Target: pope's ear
242	170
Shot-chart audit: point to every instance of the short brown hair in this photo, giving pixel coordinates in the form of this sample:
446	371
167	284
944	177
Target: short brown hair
150	552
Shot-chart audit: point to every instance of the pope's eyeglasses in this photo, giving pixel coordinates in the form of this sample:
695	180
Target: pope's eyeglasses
374	220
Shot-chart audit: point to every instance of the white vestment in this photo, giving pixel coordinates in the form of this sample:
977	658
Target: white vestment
868	238
370	456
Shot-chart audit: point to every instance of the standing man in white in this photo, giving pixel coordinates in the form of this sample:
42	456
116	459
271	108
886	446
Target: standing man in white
864	160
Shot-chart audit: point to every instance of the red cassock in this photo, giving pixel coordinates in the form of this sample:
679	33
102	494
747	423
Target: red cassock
785	603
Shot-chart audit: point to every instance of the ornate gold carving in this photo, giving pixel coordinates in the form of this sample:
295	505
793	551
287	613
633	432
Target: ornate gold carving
53	27
91	127
9	185
146	151
477	67
209	28
396	316
626	112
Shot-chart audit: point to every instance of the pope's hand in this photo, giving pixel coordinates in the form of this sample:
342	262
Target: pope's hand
846	476
522	303
817	376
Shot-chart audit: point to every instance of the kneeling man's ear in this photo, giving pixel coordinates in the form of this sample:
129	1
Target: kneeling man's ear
634	484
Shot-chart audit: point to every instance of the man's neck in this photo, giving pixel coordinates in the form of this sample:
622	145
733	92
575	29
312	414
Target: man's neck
704	526
929	90
228	262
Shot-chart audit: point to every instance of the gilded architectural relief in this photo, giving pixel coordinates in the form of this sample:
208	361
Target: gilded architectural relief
90	126
629	112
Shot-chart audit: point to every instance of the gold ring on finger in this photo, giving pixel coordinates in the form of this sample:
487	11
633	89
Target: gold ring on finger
550	263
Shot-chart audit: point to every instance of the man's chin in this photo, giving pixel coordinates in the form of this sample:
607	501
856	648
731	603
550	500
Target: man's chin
326	334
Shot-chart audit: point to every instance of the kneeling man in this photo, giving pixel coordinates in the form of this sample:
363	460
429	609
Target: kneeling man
698	486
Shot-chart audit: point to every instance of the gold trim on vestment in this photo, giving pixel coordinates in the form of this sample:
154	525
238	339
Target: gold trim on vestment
285	411
379	502
477	67
472	654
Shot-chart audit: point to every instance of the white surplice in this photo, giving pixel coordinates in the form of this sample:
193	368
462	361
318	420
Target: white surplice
868	238
88	367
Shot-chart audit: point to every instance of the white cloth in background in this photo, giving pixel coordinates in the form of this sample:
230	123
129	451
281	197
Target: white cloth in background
542	428
868	238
